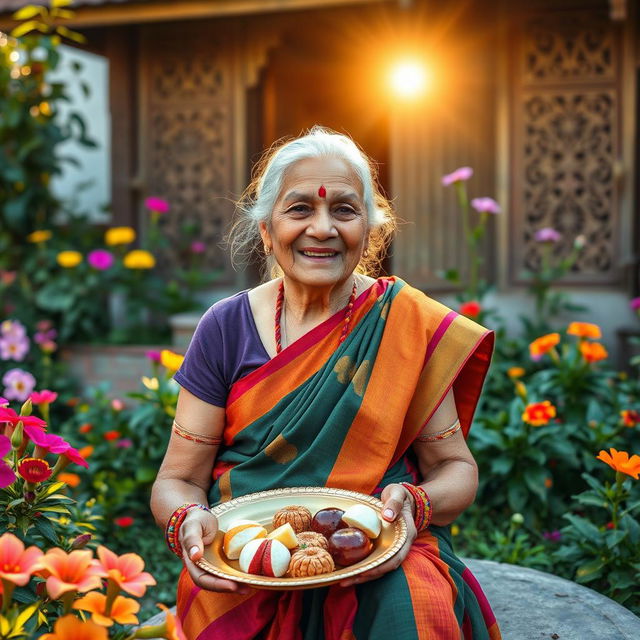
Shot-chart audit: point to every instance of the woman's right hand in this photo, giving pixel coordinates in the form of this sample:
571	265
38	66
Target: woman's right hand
197	530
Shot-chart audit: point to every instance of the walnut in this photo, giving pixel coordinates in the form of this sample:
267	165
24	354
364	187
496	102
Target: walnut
311	561
312	539
298	517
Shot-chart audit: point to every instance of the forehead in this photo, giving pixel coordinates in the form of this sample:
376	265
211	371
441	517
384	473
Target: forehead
311	173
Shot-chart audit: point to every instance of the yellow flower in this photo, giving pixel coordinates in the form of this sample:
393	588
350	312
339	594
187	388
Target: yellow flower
455	529
139	259
151	383
119	235
69	259
170	360
515	372
41	235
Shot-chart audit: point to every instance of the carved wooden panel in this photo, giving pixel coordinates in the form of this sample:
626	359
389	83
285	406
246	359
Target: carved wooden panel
187	139
566	142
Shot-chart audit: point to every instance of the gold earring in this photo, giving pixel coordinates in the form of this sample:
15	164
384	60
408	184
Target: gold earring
365	253
267	250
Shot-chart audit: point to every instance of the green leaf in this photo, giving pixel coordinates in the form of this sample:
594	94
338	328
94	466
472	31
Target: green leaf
517	495
26	614
534	479
615	537
45	528
501	466
54	509
52	488
589	571
146	474
585	528
28	12
71	35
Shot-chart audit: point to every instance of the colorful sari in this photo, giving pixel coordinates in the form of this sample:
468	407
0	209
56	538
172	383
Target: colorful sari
315	415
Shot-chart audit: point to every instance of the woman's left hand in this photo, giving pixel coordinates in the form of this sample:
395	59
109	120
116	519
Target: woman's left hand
398	502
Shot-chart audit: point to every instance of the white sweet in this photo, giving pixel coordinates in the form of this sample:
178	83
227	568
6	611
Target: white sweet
280	557
238	536
364	518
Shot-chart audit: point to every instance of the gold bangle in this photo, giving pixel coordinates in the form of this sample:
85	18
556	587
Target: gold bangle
440	435
195	437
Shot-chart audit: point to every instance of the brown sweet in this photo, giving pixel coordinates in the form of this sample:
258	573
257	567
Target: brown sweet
298	517
311	561
312	539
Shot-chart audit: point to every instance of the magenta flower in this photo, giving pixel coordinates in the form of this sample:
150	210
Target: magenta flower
547	234
485	205
3	403
635	304
12	418
44	336
459	175
154	356
18	384
117	404
13	348
554	536
73	455
43	397
100	259
46	442
124	443
197	246
157	204
7	476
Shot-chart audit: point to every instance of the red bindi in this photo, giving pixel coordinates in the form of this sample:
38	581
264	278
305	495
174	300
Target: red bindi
322	192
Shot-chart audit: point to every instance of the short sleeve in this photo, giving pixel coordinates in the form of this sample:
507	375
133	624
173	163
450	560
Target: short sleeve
202	370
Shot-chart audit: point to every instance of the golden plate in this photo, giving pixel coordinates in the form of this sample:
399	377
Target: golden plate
261	506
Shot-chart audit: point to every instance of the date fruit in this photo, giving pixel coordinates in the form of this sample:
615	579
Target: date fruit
328	521
348	546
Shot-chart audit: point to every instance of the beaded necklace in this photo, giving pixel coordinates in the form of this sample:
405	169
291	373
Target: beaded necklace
347	315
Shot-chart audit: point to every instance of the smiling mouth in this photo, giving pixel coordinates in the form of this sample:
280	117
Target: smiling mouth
319	254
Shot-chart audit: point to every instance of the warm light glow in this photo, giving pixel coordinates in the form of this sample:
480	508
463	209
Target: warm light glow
409	78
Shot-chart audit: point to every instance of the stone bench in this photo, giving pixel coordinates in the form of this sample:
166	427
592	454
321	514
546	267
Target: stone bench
533	605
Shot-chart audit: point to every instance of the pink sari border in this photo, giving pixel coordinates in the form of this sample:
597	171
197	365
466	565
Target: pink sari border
438	333
308	340
485	607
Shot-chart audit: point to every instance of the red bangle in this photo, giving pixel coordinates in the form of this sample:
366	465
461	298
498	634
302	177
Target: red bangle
172	530
423	511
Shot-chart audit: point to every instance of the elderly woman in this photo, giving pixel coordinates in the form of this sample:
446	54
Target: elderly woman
325	376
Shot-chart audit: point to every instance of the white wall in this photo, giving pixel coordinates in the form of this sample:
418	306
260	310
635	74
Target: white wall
95	164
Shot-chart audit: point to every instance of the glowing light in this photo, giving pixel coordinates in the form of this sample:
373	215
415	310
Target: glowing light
14	56
409	78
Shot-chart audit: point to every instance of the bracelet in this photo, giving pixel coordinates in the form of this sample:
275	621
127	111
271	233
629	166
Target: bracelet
173	526
440	435
423	511
195	437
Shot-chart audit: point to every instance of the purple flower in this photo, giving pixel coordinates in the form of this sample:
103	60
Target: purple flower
12	329
100	259
42	337
18	384
7	476
197	246
124	443
13	348
488	205
547	234
635	304
463	173
154	356
554	536
157	204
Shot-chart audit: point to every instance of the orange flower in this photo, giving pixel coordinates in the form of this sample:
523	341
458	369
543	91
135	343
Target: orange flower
539	413
72	479
85	452
111	435
543	344
592	351
620	461
515	372
126	571
74	571
70	628
630	418
548	483
17	564
85	428
172	629
584	330
123	609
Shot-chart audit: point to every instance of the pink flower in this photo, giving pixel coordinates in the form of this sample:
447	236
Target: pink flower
117	404
7	476
73	455
7	278
48	443
43	397
100	259
635	304
46	335
12	348
126	570
18	384
12	329
125	443
154	356
157	204
197	246
547	234
485	205
11	417
459	175
554	536
4	402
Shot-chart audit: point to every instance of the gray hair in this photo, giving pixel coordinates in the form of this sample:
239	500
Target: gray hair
256	204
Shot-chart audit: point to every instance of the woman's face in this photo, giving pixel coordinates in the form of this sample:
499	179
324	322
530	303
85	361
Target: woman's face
319	225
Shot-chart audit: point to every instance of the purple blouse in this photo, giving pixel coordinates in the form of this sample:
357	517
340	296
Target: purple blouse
225	347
